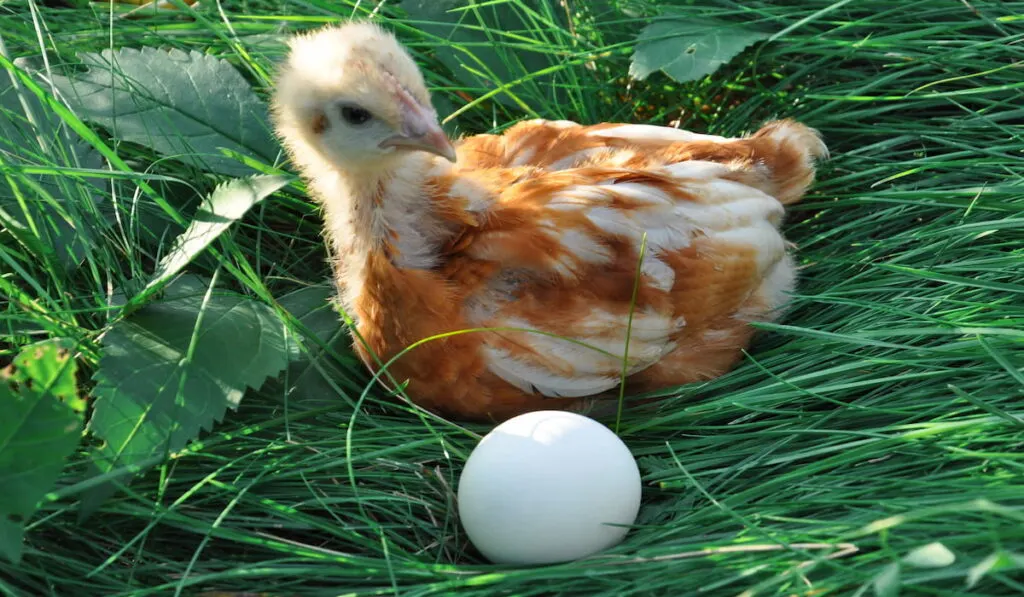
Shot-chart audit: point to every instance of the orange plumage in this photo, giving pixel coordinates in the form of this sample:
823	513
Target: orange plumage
539	228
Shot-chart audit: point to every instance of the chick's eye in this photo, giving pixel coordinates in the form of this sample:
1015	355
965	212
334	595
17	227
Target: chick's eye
355	115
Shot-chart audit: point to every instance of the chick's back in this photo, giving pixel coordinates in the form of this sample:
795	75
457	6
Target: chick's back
554	220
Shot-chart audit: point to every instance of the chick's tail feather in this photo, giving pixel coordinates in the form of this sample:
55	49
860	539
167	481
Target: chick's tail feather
790	151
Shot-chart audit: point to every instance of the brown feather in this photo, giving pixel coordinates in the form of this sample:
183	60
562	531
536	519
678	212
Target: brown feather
558	289
541	228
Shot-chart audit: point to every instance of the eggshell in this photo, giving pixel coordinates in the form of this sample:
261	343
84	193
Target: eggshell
548	487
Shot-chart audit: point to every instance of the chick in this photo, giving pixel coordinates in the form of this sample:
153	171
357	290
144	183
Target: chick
535	233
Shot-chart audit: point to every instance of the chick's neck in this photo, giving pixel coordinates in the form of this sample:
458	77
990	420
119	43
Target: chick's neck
384	210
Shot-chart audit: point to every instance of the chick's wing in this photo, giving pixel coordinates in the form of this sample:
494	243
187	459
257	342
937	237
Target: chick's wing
555	216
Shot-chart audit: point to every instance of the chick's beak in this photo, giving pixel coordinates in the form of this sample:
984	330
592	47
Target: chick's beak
420	130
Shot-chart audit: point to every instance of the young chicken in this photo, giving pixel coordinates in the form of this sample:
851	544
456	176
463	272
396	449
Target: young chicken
537	232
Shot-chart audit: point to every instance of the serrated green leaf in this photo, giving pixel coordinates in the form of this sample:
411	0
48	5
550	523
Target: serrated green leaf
229	202
11	536
48	365
996	562
316	371
174	367
933	555
43	210
312	307
474	26
188	106
38	431
689	49
887	582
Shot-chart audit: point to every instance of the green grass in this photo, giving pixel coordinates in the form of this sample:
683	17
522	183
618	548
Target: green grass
886	412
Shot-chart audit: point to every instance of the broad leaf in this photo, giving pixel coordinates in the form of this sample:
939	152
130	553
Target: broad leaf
11	533
48	367
229	202
932	555
172	368
688	49
44	210
40	426
326	360
485	32
189	106
312	307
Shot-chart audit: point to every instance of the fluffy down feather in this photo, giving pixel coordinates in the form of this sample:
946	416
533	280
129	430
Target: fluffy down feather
540	228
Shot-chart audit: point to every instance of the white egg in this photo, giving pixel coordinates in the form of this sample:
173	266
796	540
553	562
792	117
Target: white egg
548	487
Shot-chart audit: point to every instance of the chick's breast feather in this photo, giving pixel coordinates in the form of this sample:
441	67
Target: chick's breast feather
542	228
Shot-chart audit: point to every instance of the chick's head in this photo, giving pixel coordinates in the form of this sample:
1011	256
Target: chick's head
353	94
